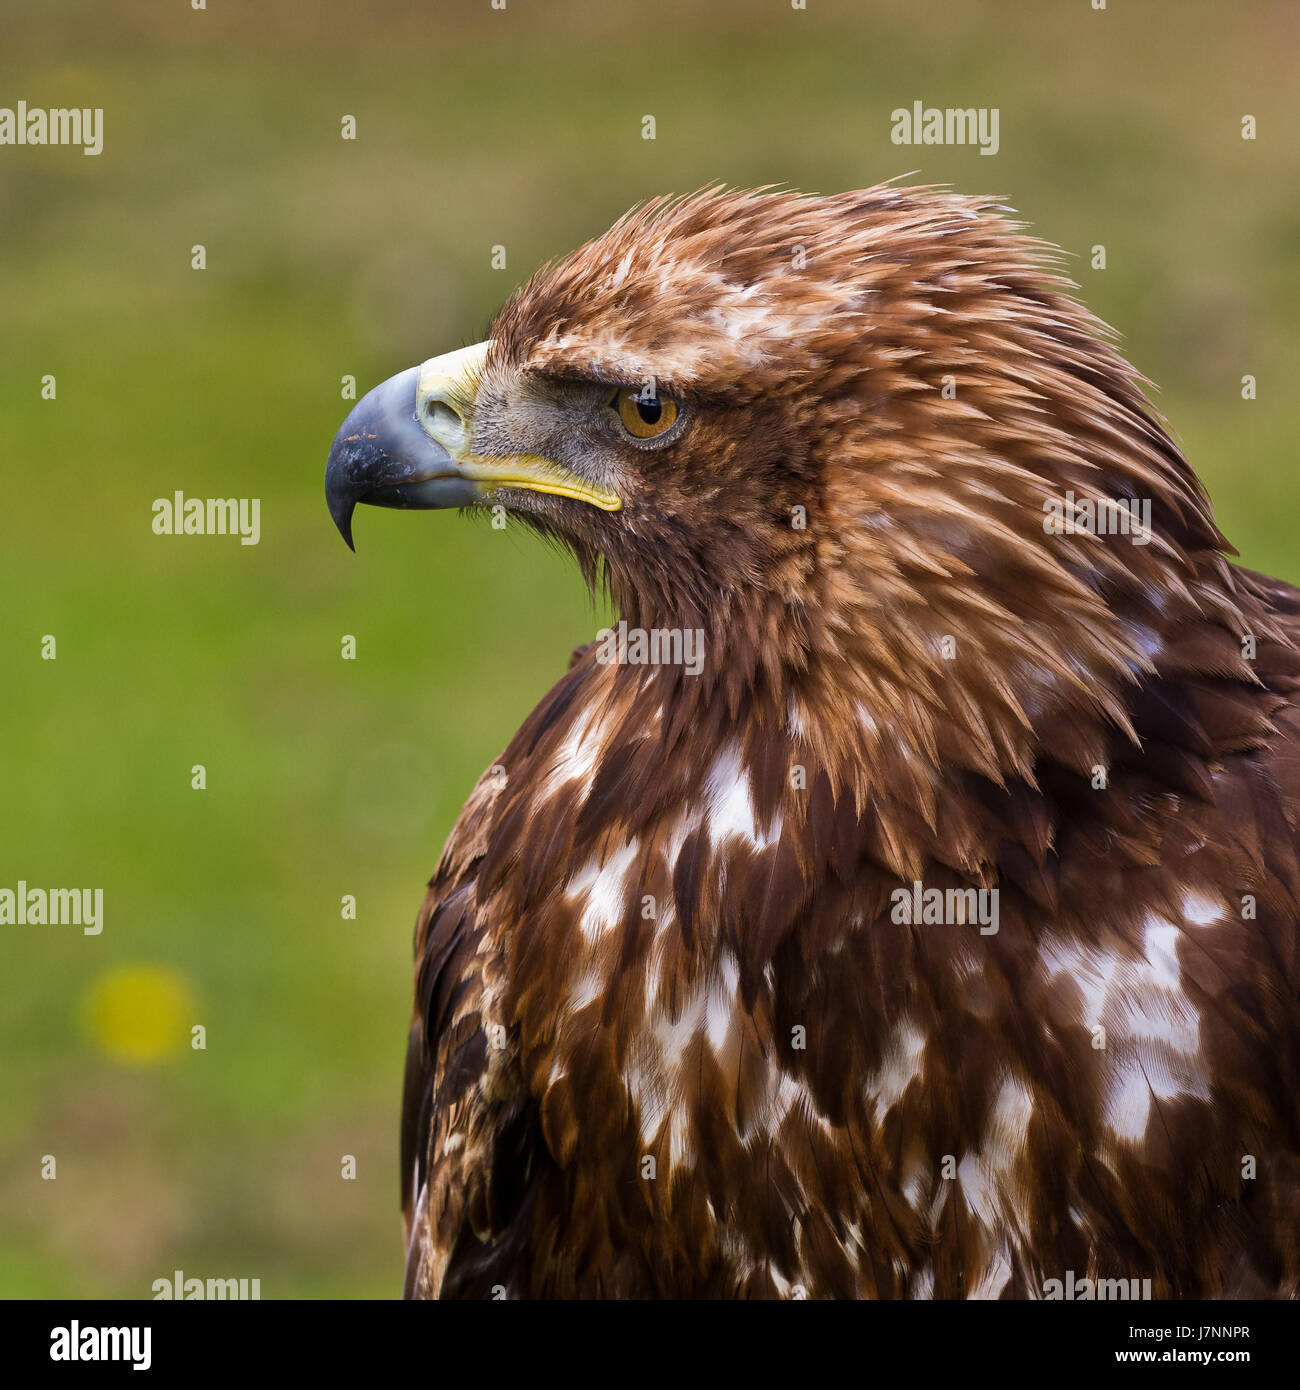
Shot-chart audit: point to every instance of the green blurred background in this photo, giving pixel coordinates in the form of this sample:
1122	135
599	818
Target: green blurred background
325	257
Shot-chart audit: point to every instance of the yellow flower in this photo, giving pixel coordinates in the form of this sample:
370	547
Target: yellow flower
139	1014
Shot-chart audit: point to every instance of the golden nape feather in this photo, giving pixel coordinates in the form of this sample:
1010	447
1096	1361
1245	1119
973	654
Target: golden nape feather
901	900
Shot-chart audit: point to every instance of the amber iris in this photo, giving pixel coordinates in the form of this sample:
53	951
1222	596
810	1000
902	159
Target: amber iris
644	416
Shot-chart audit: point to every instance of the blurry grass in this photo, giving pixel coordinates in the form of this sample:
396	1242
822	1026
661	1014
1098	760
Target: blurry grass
328	777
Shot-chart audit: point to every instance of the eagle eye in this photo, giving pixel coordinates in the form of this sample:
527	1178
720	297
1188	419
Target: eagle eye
643	415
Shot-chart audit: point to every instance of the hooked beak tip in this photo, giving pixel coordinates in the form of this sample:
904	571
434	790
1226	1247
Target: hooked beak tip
342	503
344	523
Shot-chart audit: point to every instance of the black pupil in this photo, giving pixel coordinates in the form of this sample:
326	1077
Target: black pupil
649	410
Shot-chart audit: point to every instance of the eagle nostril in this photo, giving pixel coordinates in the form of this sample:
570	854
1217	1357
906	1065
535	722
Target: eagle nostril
444	424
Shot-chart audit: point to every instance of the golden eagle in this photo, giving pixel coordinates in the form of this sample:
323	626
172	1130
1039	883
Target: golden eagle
902	901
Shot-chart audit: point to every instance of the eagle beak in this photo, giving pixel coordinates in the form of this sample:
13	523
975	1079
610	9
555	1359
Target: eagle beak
409	443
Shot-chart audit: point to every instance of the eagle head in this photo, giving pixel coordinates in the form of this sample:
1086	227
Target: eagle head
657	401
